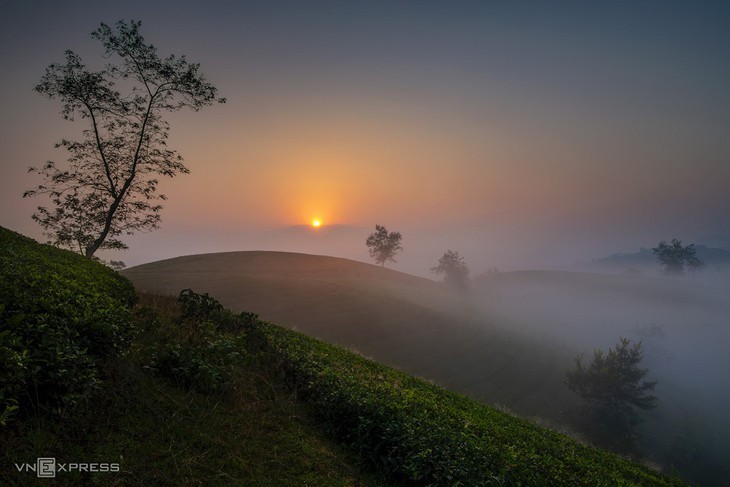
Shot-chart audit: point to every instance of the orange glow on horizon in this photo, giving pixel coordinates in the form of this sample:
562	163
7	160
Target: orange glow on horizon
316	223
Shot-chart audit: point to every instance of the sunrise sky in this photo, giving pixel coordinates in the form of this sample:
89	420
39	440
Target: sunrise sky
521	134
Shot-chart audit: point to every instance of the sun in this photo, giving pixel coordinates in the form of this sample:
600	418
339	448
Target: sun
316	223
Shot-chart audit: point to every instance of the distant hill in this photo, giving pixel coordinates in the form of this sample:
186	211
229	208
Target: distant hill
718	241
716	260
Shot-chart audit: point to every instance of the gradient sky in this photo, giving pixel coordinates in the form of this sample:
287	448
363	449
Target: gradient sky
519	133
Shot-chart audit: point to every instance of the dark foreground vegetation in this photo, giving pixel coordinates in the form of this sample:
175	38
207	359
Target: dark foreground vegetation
182	392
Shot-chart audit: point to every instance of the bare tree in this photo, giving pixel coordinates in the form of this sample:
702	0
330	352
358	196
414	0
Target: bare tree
383	246
109	185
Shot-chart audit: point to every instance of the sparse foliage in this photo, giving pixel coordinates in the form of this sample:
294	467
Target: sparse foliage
612	385
674	257
454	269
109	185
384	245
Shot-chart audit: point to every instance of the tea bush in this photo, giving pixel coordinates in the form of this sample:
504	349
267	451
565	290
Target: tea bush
205	346
206	368
424	435
199	308
61	316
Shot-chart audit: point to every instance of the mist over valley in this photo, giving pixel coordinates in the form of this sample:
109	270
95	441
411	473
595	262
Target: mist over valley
508	341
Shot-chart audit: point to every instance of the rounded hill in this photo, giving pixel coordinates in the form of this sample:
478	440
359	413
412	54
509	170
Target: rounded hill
401	320
509	341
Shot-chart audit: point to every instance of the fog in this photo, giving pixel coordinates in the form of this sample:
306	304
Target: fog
684	327
549	289
541	304
484	244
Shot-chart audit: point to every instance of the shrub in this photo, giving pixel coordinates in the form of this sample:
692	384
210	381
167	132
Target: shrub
204	347
206	368
202	308
425	435
61	317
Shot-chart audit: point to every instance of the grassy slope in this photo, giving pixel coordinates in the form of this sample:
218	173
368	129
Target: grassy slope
530	325
397	319
253	433
430	436
407	322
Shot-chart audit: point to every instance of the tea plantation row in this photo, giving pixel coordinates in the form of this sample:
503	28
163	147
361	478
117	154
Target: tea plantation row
423	434
61	316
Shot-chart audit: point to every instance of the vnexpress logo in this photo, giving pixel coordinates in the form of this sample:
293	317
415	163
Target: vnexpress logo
46	467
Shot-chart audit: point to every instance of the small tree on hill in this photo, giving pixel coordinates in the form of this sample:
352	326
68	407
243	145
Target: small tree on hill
612	387
454	270
109	185
674	256
383	246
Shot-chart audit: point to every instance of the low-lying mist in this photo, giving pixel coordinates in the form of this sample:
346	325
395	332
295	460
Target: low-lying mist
507	341
684	328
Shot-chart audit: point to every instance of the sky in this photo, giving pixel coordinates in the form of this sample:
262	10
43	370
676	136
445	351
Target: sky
521	134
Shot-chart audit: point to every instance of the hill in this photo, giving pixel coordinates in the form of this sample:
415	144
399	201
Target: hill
509	342
717	262
82	382
397	319
203	395
61	317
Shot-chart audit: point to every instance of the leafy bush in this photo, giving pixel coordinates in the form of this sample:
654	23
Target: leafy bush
200	308
61	316
425	435
206	368
200	353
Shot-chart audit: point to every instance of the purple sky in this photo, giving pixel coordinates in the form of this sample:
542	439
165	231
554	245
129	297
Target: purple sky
519	134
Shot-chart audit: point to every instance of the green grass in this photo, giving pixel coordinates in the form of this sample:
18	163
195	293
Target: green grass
162	435
253	432
205	396
228	422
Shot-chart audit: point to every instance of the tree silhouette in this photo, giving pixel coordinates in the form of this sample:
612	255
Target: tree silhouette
612	387
109	185
383	246
454	269
673	256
